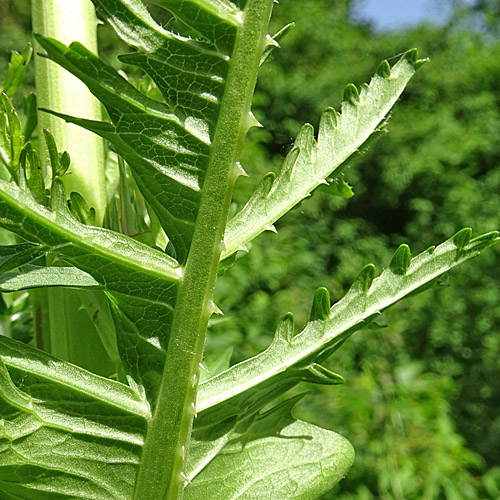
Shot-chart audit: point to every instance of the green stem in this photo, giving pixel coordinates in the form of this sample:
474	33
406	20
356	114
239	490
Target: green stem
69	21
65	333
167	441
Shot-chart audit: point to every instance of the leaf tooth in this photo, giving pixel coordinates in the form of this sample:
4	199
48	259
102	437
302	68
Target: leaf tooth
238	170
327	126
401	260
365	278
329	119
35	179
339	187
22	180
267	183
64	161
321	305
285	328
384	69
81	211
430	250
58	197
213	308
462	238
364	90
412	57
272	42
485	240
250	121
351	94
305	139
318	374
52	149
263	188
272	228
185	479
290	162
221	246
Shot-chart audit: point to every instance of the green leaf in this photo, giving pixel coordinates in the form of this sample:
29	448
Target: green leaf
58	168
40	277
14	256
311	161
17	66
134	275
304	462
167	144
11	138
251	383
81	211
272	457
61	426
32	167
181	152
31	117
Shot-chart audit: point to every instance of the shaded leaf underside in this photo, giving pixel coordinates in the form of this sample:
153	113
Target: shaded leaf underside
67	433
142	282
51	408
167	144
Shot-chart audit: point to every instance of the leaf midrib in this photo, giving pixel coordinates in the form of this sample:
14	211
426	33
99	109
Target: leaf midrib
165	268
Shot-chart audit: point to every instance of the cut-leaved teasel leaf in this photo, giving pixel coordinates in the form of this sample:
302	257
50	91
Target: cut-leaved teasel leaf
312	161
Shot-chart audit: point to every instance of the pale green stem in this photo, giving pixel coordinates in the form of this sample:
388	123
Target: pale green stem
58	90
67	331
167	440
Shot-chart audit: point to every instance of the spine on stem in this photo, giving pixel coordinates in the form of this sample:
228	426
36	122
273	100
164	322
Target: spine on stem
160	476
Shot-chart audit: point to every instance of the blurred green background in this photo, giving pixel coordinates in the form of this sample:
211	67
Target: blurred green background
421	402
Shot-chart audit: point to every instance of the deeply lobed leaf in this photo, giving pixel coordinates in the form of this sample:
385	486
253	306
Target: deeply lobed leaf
167	144
290	359
65	433
311	162
141	281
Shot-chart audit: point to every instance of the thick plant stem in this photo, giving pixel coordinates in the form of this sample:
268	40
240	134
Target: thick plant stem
65	334
58	90
160	476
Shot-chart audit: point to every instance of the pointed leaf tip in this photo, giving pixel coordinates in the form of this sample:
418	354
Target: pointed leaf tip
401	260
267	182
64	161
321	375
285	328
462	238
351	94
329	119
384	69
486	240
321	305
412	57
305	137
365	277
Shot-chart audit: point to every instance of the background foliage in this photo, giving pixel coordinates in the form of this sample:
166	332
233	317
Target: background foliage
421	400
